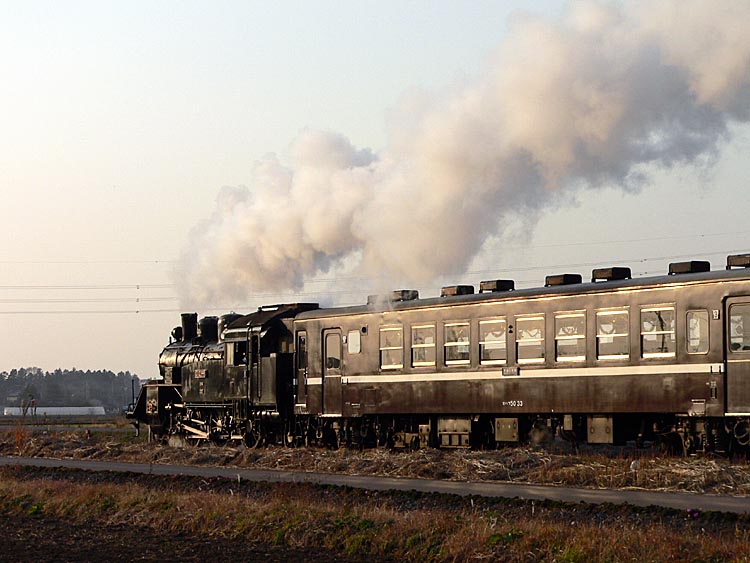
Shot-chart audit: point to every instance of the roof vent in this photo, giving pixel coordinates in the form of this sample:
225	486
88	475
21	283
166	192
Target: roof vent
562	279
453	290
393	296
610	274
691	267
495	286
738	261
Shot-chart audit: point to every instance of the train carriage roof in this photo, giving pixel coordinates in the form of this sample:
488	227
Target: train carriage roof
674	280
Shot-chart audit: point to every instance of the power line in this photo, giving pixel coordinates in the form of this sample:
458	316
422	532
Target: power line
287	296
103	300
510	247
347	278
92	312
88	287
88	261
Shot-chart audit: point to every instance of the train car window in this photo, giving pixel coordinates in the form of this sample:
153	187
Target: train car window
530	340
493	346
391	347
236	353
612	340
423	345
333	353
301	350
456	343
353	342
570	337
657	332
739	327
697	332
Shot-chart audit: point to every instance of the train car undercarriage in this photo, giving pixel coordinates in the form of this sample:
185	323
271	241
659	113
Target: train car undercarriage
237	423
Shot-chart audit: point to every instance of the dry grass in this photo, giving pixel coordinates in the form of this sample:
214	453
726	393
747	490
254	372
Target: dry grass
604	469
21	439
396	526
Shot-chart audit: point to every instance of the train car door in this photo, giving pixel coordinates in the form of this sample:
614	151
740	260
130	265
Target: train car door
300	382
737	342
332	369
255	388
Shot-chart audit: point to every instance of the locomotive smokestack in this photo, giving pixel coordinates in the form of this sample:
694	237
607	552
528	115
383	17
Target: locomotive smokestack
209	329
189	326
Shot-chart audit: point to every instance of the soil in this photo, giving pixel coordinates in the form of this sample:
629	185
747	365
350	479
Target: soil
42	539
30	536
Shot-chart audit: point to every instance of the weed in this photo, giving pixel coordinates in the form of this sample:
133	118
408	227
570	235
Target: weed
35	508
21	437
279	537
22	501
357	544
351	522
107	503
414	541
504	539
572	554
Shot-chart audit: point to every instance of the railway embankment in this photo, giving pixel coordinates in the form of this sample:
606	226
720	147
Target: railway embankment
593	467
153	517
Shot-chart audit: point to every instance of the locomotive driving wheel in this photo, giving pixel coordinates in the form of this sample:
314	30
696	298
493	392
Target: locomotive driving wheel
253	436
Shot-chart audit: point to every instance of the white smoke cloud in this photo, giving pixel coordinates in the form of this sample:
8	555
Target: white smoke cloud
583	102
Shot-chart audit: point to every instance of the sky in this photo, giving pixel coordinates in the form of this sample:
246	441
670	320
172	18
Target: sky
166	157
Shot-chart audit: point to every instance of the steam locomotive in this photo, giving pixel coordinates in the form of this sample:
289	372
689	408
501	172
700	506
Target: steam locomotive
661	359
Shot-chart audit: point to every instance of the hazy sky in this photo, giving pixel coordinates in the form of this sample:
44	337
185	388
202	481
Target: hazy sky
122	121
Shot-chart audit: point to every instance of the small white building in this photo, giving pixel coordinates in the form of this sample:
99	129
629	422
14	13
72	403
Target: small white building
56	411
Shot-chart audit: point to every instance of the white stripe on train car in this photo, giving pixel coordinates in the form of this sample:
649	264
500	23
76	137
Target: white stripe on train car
671	369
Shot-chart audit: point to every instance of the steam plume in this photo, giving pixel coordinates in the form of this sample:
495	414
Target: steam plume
582	102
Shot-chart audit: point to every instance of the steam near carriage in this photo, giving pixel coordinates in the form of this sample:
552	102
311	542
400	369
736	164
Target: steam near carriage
663	359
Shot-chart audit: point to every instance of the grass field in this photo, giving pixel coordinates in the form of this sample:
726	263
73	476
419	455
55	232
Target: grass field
375	525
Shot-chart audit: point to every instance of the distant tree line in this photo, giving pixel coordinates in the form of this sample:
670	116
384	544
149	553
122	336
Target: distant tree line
67	388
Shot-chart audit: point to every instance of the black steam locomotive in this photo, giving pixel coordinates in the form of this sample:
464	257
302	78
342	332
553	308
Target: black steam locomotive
664	359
